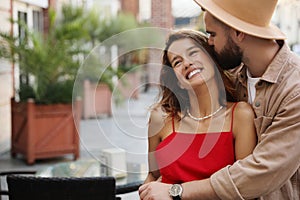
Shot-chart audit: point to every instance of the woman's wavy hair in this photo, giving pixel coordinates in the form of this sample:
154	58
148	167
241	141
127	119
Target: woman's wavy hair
175	100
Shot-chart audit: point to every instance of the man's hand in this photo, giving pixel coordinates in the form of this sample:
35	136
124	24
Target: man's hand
155	191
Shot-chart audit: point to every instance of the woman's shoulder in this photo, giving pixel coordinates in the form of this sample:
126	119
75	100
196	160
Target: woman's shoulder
159	122
157	115
243	121
243	110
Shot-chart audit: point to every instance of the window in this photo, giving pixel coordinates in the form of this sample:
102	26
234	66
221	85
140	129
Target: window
22	17
38	21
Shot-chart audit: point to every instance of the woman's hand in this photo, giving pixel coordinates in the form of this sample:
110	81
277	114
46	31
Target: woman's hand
155	191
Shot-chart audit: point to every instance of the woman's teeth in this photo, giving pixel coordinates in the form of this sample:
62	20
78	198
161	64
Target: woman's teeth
192	73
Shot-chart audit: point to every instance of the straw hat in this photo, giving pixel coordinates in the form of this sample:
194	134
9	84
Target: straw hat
249	16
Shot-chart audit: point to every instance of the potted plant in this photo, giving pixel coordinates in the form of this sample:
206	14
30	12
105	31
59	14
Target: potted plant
97	71
97	89
45	123
129	70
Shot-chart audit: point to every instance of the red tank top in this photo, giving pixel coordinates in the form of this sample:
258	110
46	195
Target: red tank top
183	157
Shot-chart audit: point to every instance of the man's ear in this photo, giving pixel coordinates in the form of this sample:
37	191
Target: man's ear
240	35
237	36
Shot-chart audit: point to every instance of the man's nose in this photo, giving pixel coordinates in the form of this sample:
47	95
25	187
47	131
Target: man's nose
210	41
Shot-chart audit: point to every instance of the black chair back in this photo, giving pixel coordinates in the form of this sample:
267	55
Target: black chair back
58	188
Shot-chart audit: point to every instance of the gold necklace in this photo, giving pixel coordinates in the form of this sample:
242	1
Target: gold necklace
205	117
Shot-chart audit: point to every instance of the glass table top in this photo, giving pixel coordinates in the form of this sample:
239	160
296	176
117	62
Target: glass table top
132	177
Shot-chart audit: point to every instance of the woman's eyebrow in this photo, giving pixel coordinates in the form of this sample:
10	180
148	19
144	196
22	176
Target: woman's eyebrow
173	59
192	47
188	49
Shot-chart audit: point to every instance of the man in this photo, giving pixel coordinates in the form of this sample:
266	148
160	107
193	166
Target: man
240	31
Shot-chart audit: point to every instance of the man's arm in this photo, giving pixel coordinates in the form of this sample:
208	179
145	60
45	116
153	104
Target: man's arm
198	190
274	160
194	190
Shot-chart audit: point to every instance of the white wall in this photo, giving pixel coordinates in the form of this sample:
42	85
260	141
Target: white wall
39	3
8	75
286	16
6	89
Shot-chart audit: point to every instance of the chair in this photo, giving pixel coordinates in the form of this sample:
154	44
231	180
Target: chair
60	188
6	173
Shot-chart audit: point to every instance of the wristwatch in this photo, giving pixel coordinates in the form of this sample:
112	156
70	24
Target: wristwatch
176	191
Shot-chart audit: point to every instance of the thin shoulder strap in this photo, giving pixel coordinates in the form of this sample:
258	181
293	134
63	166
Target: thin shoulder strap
232	116
173	124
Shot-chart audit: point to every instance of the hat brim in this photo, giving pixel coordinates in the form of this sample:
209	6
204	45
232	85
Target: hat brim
269	32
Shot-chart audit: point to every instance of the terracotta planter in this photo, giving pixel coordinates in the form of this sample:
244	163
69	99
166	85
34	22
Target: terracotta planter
44	131
96	100
129	85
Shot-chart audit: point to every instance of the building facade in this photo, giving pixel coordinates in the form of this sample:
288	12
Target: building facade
35	13
31	12
287	18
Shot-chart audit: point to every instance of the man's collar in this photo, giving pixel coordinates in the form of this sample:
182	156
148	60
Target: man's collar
276	66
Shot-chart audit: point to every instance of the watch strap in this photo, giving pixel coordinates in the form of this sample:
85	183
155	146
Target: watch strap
176	198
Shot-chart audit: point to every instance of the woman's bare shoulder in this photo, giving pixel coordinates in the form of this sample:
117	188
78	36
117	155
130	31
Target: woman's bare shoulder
158	122
157	115
243	110
243	126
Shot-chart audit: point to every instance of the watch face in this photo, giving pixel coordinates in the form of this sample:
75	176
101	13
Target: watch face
175	190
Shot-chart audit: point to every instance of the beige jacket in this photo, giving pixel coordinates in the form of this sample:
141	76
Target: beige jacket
272	172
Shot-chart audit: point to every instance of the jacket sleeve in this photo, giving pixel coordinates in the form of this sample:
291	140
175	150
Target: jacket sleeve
273	162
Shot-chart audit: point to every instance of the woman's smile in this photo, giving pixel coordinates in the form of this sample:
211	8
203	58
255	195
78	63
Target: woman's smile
193	72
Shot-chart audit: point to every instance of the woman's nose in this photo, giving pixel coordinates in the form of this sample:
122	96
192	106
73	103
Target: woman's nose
187	63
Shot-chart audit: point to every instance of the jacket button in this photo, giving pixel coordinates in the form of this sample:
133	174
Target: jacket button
257	104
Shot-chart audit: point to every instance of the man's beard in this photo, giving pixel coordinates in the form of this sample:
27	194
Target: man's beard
230	56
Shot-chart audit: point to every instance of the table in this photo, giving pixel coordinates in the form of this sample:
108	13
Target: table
89	168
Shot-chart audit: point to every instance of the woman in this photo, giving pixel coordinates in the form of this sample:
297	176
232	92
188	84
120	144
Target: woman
194	130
